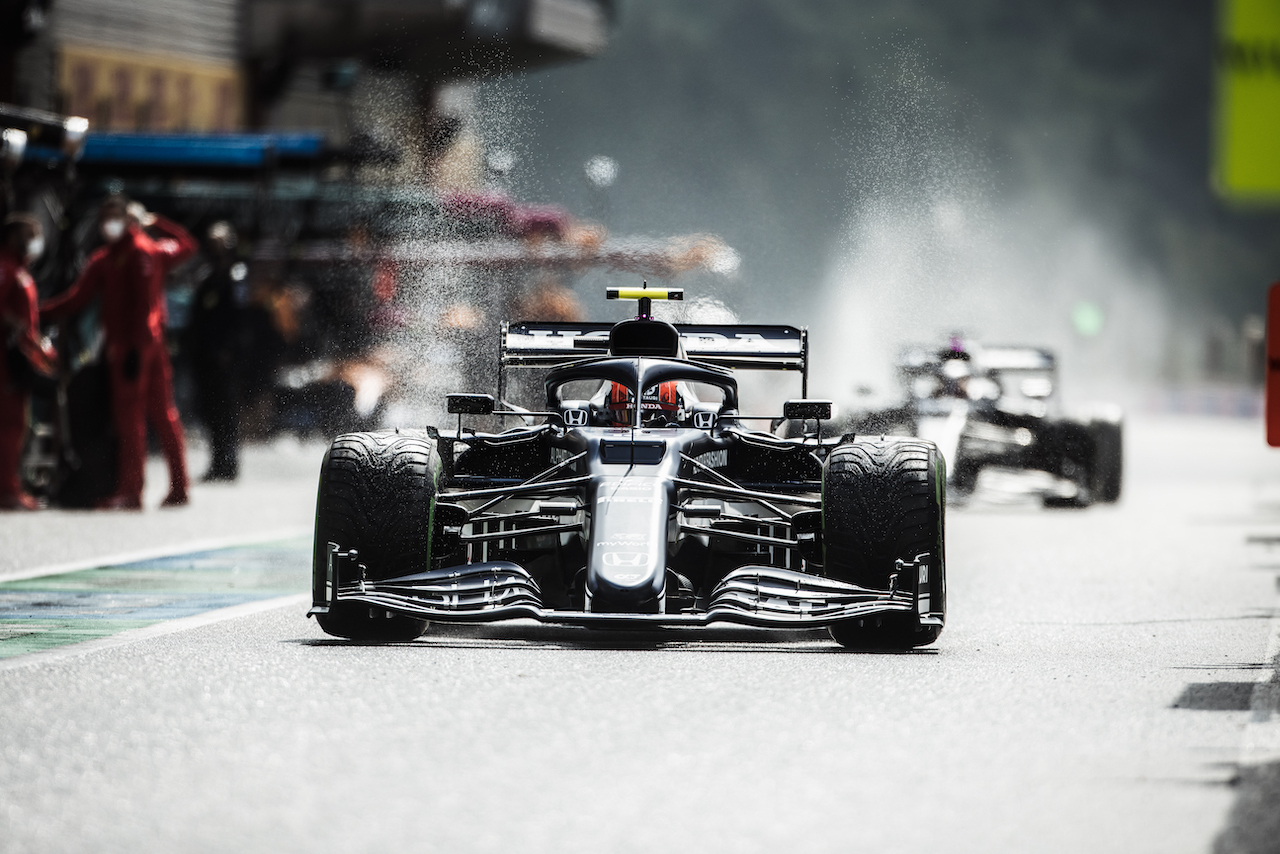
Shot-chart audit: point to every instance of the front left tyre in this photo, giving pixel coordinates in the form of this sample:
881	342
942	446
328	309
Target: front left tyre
377	495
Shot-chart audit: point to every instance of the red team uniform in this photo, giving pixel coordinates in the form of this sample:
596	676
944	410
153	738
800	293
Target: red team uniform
20	326
129	275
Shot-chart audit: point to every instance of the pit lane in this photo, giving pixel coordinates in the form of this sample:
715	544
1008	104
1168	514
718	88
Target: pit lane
1064	708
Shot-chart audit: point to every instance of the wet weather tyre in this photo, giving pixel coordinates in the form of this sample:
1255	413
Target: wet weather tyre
884	499
1074	444
965	477
377	493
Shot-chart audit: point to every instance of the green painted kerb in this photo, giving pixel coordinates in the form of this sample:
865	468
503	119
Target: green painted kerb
57	610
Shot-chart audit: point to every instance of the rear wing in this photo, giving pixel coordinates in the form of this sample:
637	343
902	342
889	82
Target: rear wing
917	360
1016	359
768	348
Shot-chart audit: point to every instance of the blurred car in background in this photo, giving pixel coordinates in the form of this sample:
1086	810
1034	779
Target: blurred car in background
997	408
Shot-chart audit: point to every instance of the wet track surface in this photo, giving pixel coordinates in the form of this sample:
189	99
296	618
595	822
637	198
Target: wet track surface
1106	682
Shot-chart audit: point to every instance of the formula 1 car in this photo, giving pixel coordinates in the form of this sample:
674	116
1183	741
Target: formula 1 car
643	498
995	407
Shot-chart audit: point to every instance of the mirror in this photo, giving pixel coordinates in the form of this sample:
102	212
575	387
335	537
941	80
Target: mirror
1037	387
470	404
803	410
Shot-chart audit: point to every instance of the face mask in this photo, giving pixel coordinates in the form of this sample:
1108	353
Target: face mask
112	229
35	248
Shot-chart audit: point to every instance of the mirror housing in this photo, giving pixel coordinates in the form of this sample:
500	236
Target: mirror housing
804	410
1036	388
470	404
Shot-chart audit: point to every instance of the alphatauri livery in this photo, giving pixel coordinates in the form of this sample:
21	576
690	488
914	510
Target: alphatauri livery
640	497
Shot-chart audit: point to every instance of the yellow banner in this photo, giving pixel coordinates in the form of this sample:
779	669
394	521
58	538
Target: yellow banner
1247	153
118	90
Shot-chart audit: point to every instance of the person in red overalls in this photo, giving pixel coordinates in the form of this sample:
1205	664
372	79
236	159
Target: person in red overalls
22	243
129	272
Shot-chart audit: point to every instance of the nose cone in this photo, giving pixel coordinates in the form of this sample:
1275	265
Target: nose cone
626	561
626	569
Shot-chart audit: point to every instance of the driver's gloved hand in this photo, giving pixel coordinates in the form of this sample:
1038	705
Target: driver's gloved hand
132	365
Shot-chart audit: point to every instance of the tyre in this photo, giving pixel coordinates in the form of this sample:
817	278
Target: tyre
377	493
964	480
1073	454
1108	460
884	499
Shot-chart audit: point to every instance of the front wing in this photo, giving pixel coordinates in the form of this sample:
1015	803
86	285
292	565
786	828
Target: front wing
762	596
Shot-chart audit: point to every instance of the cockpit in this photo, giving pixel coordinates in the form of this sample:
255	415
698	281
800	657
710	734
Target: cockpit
601	393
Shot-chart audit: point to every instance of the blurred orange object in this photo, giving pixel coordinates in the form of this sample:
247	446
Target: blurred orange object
1273	366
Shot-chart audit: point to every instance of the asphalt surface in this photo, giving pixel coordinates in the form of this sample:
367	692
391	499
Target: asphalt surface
273	498
1106	682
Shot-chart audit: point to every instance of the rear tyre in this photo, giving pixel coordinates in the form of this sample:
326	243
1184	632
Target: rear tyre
1073	443
964	480
884	499
1108	460
377	495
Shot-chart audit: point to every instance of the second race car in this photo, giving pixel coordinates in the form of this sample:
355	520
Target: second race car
996	407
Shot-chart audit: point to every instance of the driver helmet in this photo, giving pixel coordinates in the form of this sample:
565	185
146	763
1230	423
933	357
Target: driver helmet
659	405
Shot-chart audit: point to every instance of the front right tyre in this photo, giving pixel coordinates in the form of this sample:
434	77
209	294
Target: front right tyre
884	500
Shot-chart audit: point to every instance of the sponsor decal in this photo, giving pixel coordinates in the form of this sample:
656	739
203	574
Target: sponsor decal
623	540
629	483
636	560
714	459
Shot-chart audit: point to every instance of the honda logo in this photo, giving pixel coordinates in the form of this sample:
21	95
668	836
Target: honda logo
628	559
575	418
